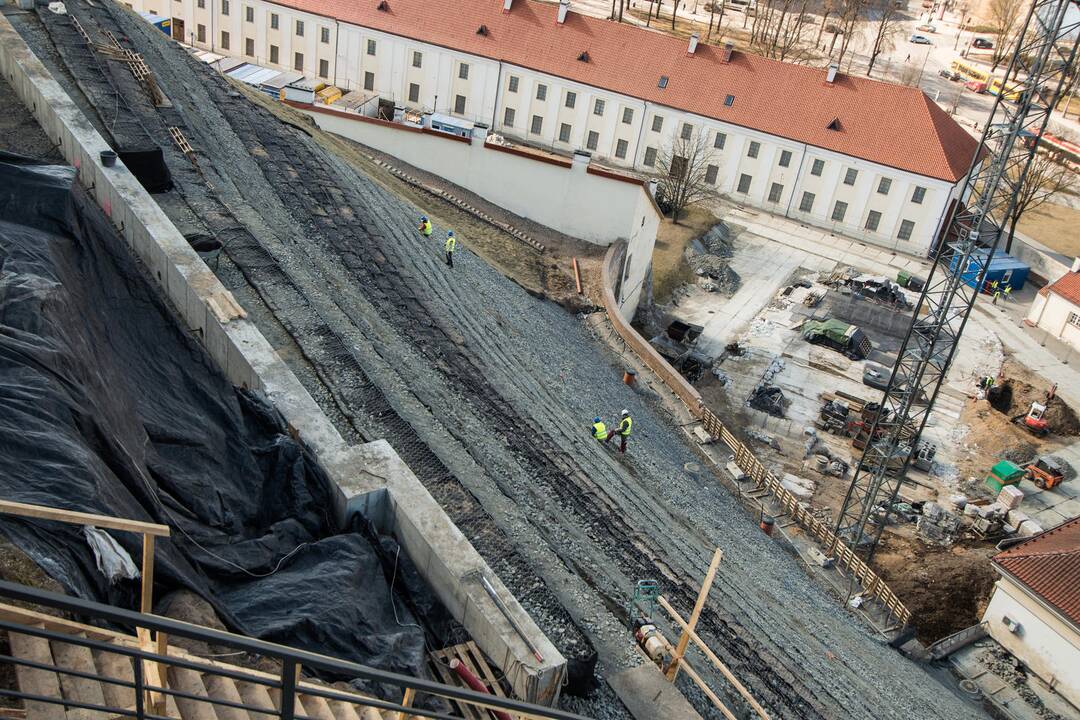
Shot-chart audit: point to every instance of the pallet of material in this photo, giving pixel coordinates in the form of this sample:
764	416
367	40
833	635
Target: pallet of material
471	657
353	100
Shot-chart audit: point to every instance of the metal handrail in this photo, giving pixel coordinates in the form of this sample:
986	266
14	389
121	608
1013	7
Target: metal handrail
291	659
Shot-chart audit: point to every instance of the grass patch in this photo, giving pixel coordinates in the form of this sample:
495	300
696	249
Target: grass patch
1054	226
670	269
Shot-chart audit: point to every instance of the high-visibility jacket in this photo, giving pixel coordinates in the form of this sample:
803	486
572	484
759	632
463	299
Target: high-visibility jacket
625	426
599	431
425	228
451	244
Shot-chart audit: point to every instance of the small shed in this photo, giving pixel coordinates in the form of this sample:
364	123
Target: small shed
448	124
1004	269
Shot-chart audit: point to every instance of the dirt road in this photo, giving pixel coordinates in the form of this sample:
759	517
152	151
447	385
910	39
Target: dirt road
487	392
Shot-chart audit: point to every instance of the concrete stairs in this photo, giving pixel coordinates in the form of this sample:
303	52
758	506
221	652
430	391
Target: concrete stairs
202	685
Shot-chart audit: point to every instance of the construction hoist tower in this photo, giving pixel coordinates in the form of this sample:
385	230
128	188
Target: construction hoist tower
1044	55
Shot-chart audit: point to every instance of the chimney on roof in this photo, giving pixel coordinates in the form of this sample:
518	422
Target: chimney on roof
830	77
1076	265
564	7
694	39
728	49
506	5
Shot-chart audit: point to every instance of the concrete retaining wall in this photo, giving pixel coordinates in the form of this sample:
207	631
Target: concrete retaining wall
1046	265
572	197
389	490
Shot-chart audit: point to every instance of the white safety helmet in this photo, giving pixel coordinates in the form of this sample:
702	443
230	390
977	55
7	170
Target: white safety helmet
625	412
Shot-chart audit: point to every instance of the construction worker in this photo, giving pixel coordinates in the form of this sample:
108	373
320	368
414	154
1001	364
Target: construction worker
1008	292
623	430
987	382
997	296
599	429
993	287
450	246
425	226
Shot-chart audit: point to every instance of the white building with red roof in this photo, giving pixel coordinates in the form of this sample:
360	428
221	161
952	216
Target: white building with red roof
1057	307
874	160
1034	612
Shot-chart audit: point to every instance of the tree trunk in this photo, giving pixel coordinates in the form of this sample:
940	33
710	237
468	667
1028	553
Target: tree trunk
1013	221
821	28
622	4
674	12
712	16
648	15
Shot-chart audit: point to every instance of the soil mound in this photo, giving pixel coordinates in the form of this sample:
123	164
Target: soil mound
1015	397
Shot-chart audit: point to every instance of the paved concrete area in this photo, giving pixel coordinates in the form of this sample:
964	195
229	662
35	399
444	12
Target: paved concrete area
648	695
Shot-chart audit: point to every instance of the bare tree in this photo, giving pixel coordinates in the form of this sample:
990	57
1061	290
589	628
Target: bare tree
910	75
848	13
777	30
884	27
684	173
674	12
1045	178
1004	17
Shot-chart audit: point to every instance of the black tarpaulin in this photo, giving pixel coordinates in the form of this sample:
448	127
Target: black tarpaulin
108	406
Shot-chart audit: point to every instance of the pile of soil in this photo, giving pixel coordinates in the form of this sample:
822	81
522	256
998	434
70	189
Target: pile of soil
946	589
1015	398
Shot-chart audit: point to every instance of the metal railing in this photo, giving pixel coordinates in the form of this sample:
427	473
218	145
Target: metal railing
287	682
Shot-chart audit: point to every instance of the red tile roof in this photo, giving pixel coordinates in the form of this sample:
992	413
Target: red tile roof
1049	564
892	125
1068	287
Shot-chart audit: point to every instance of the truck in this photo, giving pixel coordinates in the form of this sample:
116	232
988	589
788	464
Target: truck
838	335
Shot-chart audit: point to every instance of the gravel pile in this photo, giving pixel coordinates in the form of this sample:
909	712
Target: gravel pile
501	387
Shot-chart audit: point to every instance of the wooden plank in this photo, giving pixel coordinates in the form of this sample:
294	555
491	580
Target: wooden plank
703	594
146	603
484	669
708	692
8	507
714	659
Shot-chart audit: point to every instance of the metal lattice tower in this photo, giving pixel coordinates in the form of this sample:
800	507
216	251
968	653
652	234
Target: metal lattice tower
1038	68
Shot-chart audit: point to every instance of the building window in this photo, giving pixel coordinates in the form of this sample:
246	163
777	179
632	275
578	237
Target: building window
299	28
657	123
324	68
839	211
564	132
201	4
650	156
906	228
224	40
1074	319
508	117
807	202
249	47
678	167
744	183
370	47
537	125
918	194
873	220
459	104
883	186
729	101
417	58
369	81
200	33
785	158
592	140
598	107
273	21
754	148
620	149
817	167
249	14
571	99
541	92
463	71
414	92
224	7
719	141
775	191
711	171
274	54
627	116
324	35
298	62
687	131
850	175
513	86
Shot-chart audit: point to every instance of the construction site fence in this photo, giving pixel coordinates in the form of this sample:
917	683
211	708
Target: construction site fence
873	586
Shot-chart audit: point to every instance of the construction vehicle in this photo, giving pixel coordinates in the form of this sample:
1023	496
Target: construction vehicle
1035	420
838	335
1046	472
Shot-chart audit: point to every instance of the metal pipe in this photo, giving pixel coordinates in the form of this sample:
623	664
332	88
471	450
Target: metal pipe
509	619
577	276
474	682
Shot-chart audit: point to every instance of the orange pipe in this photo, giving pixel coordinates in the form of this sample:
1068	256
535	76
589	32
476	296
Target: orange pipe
474	682
577	277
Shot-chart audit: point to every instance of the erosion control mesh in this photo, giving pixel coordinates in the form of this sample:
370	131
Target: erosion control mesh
107	406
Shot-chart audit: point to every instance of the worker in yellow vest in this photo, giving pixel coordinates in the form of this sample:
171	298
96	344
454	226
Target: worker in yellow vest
623	431
450	246
599	429
425	226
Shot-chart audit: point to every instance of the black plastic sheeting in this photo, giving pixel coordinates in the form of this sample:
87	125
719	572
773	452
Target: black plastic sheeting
108	406
148	167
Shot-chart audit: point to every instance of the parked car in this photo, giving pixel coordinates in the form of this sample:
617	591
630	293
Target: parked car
927	28
921	40
949	74
982	44
976	86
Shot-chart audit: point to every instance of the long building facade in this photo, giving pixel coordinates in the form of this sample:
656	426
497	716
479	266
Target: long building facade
875	161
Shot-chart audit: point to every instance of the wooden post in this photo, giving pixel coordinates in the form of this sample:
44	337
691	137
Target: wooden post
147	603
684	640
406	701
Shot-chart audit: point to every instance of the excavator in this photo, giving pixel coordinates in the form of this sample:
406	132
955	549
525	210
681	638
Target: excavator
1035	421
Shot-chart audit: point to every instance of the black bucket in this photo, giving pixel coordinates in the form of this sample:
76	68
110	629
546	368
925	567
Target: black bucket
108	158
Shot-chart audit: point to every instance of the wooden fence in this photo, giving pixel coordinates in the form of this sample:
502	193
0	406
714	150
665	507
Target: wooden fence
873	586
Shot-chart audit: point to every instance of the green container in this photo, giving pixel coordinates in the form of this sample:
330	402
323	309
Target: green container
903	277
994	484
1008	472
